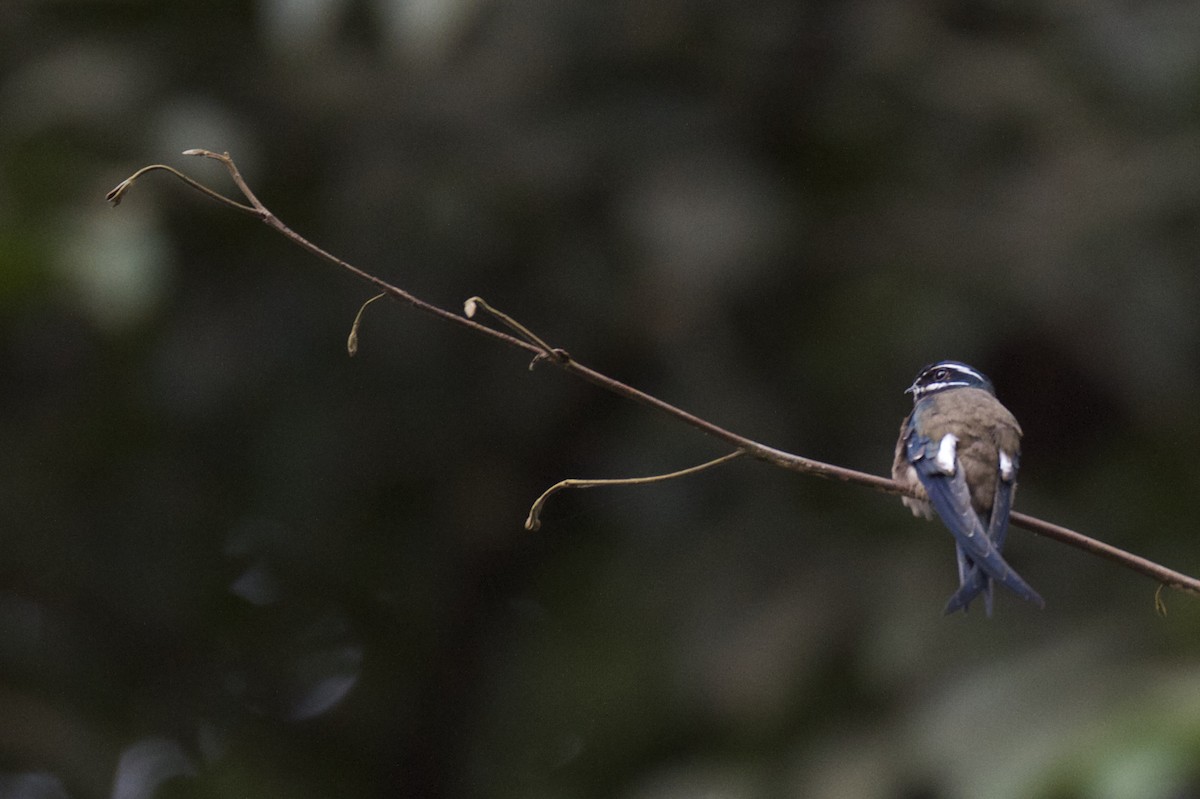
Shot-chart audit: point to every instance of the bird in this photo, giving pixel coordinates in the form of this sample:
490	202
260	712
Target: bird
958	452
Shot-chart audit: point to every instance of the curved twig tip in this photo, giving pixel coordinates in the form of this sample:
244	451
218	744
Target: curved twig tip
117	194
113	198
352	339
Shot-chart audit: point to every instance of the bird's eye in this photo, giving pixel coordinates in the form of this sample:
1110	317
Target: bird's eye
941	374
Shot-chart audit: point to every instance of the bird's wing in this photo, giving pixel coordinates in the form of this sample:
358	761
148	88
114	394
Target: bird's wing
974	581
951	499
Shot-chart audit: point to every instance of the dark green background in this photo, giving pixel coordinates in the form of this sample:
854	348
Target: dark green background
236	563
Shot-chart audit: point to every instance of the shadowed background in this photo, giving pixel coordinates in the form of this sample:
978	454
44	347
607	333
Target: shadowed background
234	562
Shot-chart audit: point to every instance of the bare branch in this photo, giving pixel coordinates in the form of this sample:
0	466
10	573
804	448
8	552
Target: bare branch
527	341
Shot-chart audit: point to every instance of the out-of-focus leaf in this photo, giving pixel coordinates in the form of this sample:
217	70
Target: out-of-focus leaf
34	785
147	764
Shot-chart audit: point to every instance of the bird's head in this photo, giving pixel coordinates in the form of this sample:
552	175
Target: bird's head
945	375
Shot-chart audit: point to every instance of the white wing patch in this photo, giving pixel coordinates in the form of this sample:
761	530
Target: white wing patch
947	454
1007	471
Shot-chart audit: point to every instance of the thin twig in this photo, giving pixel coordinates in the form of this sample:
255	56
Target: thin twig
534	521
526	342
115	196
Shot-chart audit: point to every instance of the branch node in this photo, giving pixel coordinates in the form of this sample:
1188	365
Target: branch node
474	304
558	355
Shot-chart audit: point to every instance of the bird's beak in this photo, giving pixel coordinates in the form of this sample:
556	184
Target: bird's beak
911	389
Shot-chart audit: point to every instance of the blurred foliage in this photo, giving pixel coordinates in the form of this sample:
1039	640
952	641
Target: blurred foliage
238	563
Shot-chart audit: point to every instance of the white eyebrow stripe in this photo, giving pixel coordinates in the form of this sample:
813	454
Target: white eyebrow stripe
947	454
943	384
1007	469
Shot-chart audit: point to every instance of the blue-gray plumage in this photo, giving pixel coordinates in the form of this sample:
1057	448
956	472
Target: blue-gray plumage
959	450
